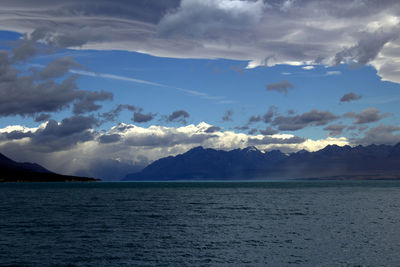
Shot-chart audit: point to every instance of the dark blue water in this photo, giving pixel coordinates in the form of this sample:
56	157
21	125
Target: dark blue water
200	224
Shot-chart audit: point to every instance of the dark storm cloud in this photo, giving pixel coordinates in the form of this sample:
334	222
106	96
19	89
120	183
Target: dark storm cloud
267	117
366	116
69	126
23	52
59	67
269	131
382	134
122	127
280	87
335	129
254	119
366	49
42	117
114	113
15	135
266	140
242	128
178	115
55	136
350	97
228	115
87	103
362	128
109	138
142	117
64	135
24	95
252	131
297	122
23	49
213	129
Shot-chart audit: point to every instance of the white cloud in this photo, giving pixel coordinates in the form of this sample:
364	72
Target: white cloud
332	72
113	77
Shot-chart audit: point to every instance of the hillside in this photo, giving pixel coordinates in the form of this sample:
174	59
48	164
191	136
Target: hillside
12	171
332	162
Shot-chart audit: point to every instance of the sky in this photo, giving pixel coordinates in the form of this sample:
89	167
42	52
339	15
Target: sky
103	88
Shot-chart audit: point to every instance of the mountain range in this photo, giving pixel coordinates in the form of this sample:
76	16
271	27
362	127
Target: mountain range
12	171
331	162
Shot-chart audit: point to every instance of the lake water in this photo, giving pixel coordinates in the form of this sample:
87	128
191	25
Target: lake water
200	224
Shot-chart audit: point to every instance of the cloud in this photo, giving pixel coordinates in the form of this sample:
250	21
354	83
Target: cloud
350	97
281	87
228	115
382	134
357	32
252	131
24	95
219	99
242	128
335	129
51	136
87	103
367	115
267	117
297	122
178	115
266	140
15	135
114	113
200	18
59	67
109	138
72	146
141	117
138	115
23	51
213	129
42	117
269	131
366	49
60	136
308	67
333	72
254	119
362	128
114	77
168	139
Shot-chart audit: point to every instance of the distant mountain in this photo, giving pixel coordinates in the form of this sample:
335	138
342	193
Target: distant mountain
332	162
12	171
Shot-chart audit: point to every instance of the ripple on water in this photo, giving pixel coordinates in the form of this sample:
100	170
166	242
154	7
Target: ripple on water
252	224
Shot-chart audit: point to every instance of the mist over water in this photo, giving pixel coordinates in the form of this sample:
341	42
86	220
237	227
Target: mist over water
200	224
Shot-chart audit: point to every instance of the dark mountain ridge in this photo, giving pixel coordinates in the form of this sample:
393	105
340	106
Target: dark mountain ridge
331	162
12	171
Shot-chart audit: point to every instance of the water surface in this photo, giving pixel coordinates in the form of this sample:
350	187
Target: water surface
200	223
